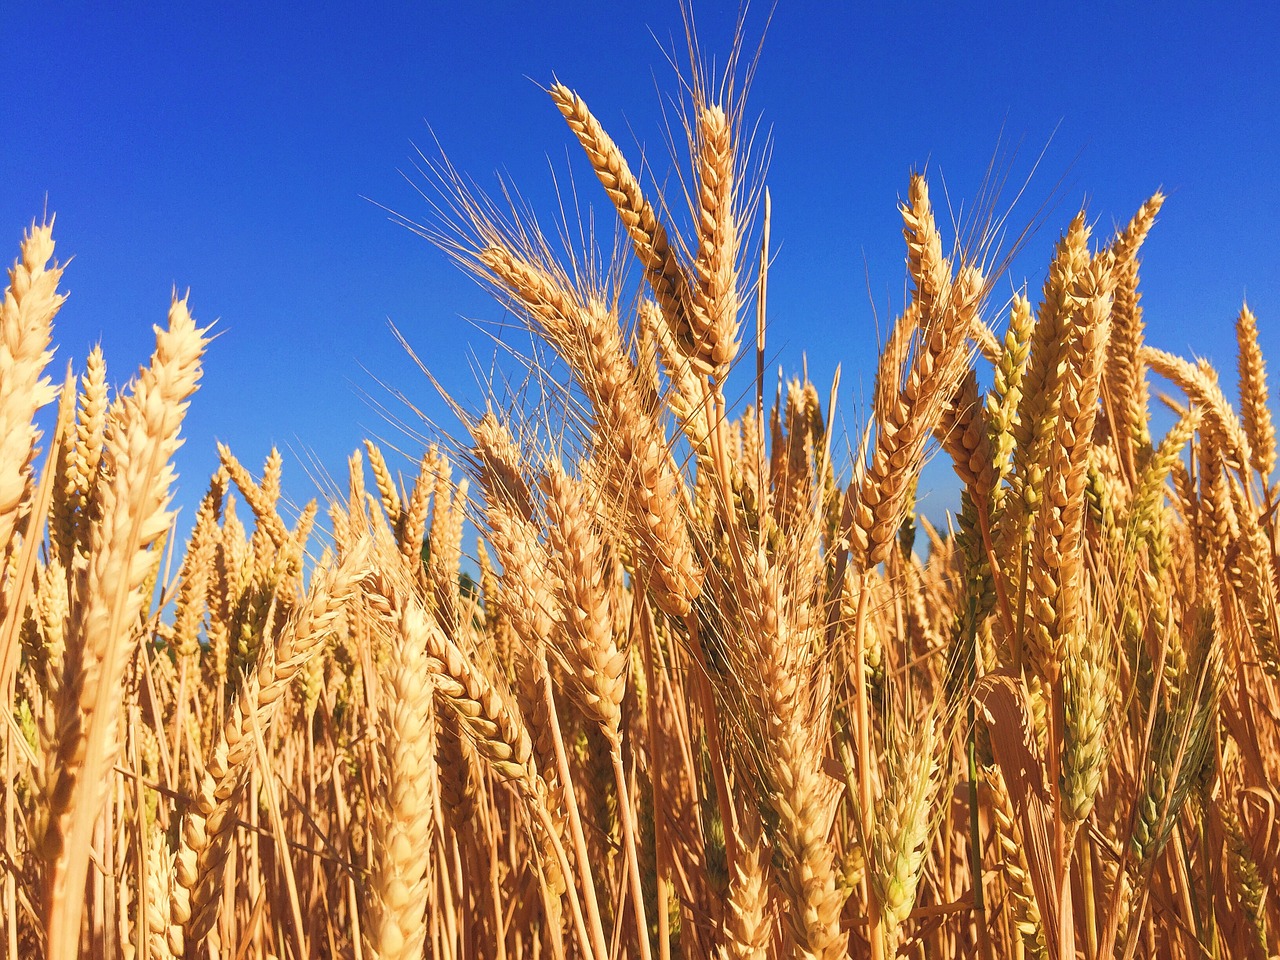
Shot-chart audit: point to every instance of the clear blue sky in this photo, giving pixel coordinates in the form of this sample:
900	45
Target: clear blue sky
228	148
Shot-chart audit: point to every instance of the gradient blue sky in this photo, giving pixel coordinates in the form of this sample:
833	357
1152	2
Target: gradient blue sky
227	148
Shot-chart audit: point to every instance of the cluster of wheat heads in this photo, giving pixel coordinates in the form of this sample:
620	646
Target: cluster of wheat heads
706	697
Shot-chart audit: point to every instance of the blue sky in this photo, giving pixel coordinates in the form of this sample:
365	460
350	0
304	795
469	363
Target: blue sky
229	148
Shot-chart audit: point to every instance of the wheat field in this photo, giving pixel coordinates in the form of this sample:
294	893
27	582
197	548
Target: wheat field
641	666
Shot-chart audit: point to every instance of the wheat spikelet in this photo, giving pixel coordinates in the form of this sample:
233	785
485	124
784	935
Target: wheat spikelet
163	943
905	415
1013	866
1038	410
965	434
808	883
259	500
1250	888
386	484
52	603
445	545
413	525
1056	568
1183	733
929	270
1005	398
196	572
1088	692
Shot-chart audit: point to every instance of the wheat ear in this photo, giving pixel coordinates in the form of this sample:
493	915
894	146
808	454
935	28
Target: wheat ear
714	307
1255	408
400	846
26	326
661	266
100	642
1124	382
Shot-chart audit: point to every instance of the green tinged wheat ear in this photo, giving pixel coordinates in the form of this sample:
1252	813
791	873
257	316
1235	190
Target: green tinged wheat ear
900	844
1004	400
1249	886
1182	740
1089	690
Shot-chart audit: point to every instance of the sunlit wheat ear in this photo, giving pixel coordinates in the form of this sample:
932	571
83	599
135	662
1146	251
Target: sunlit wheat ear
102	635
663	271
714	304
1255	409
1124	384
918	376
401	841
1200	383
1038	410
197	572
1004	400
592	653
1057	563
74	507
31	300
